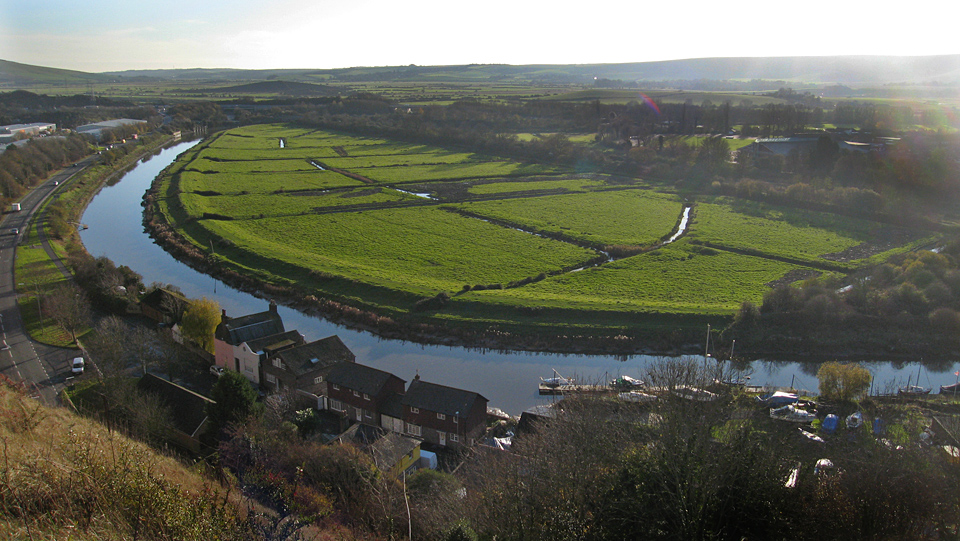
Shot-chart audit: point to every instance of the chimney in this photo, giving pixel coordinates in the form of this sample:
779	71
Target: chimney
273	307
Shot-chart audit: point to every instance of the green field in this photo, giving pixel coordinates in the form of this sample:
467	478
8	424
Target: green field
628	217
422	250
517	230
668	280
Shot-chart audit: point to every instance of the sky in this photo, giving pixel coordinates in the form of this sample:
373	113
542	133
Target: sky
113	35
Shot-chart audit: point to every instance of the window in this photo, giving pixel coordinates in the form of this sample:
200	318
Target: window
278	363
367	414
336	405
356	393
366	396
454	438
318	379
455	419
414	410
441	416
336	387
413	429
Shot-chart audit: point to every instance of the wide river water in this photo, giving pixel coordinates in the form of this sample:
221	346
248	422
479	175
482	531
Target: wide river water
508	380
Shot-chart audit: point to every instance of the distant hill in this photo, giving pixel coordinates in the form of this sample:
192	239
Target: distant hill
282	88
834	70
847	70
14	73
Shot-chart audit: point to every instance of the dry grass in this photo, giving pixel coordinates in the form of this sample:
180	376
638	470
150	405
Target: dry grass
66	477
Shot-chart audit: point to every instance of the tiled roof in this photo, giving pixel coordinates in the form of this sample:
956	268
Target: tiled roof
319	354
440	398
360	378
237	330
275	342
387	448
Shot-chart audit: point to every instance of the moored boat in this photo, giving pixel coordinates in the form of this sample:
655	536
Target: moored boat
792	414
950	389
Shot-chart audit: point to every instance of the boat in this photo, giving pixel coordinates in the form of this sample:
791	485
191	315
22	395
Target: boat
626	382
778	399
950	389
692	393
792	414
811	436
556	381
913	390
855	420
636	396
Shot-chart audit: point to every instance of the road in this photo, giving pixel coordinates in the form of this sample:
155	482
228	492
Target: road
44	369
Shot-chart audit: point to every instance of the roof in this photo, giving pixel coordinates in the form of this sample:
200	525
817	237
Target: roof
108	124
237	330
275	342
387	448
440	398
392	406
164	301
319	354
187	407
360	378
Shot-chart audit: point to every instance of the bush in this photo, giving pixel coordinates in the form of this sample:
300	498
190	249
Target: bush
843	381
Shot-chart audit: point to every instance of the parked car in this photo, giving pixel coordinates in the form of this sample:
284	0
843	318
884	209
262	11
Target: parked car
216	370
77	367
15	230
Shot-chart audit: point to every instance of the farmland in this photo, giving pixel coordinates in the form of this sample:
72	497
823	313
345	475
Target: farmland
508	242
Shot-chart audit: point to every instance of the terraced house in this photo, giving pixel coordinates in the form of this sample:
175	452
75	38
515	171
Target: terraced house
305	366
359	392
443	415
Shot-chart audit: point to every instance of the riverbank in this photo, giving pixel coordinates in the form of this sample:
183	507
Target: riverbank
52	237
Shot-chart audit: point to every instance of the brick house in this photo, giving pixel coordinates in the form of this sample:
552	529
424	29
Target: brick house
232	332
254	354
443	415
358	391
304	366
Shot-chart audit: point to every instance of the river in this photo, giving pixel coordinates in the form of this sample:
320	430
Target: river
508	380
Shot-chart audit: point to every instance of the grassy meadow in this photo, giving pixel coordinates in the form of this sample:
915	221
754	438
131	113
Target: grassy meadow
504	238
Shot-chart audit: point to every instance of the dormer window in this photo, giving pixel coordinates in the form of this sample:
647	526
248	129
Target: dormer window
441	416
356	393
278	363
336	387
414	410
366	396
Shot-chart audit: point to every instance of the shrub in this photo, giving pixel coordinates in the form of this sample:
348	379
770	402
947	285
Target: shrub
843	381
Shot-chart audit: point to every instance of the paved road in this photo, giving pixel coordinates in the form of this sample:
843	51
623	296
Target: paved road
45	369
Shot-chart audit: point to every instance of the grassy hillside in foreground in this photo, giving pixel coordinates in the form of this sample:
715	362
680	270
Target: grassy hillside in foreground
63	476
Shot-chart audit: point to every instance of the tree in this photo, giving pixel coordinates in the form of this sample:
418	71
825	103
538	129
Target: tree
843	381
68	306
235	401
199	322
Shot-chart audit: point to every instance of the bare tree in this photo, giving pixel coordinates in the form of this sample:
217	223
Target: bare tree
69	307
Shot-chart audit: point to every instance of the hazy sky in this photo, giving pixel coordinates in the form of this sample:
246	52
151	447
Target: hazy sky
105	35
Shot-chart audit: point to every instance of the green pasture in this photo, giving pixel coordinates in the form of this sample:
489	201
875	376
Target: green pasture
627	217
288	222
732	144
422	250
262	205
239	183
779	231
418	173
667	280
520	185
